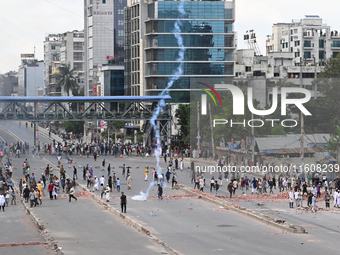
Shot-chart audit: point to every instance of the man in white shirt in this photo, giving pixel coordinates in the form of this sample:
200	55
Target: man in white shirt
102	180
296	196
291	199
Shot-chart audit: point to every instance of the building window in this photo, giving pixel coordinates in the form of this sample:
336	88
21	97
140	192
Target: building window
335	54
307	54
321	43
228	14
78	66
248	68
53	47
120	32
336	44
77	46
104	1
297	43
321	55
297	54
120	22
307	44
77	56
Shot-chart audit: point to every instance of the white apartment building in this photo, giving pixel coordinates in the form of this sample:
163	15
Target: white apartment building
310	41
72	53
31	78
52	44
104	37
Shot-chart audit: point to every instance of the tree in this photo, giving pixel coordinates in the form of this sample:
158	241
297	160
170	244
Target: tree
67	80
334	141
278	130
325	109
76	127
183	115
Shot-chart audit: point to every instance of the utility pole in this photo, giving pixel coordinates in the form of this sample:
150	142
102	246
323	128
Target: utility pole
212	134
316	84
252	142
302	125
198	127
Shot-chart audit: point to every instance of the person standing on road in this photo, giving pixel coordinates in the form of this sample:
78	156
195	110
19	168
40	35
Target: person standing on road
2	202
335	195
291	199
91	171
31	195
110	182
50	189
230	188
254	187
129	181
96	183
118	184
201	183
318	190
235	185
84	173
313	204
270	183
107	193
167	175
123	170
123	202
103	165
197	179
71	194
63	183
212	183
174	181
327	198
182	165
296	196
102	180
26	193
75	176
146	173
216	187
114	180
160	192
109	170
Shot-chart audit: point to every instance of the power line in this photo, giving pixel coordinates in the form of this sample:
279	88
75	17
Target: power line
65	9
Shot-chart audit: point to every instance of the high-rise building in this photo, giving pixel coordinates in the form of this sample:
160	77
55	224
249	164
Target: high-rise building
31	77
104	37
72	53
309	40
52	46
9	84
207	30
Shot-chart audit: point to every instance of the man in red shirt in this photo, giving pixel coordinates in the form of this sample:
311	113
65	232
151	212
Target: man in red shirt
50	190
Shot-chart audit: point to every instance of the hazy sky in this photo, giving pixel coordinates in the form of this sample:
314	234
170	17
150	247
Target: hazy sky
24	23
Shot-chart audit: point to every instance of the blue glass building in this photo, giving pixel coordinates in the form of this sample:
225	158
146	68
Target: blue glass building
209	40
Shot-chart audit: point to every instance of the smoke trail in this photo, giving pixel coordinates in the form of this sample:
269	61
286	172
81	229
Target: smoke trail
161	104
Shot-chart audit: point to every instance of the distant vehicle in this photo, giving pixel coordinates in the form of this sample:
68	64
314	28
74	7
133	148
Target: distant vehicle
327	160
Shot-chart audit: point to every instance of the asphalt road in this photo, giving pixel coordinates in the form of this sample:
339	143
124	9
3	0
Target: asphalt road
188	225
17	229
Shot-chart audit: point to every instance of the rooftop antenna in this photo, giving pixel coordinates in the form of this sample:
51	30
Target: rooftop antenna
250	40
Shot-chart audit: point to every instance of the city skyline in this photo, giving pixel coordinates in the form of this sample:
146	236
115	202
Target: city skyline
27	30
